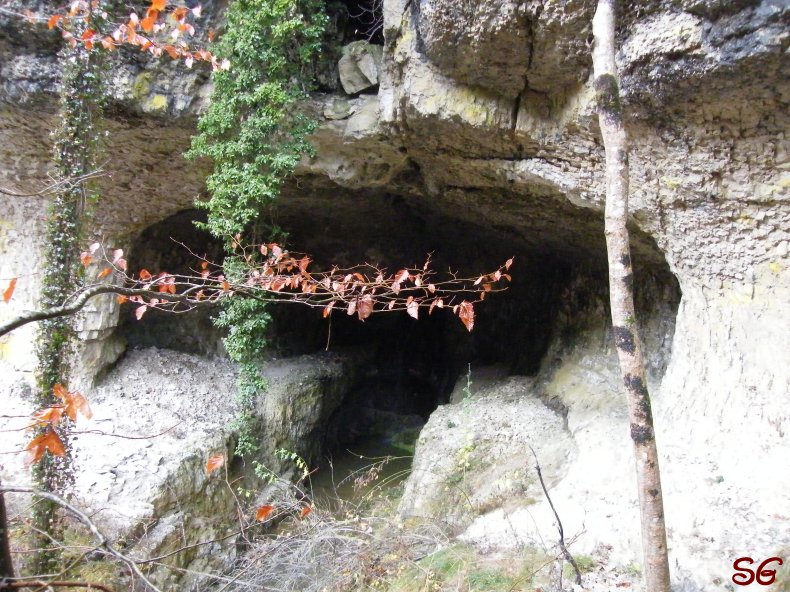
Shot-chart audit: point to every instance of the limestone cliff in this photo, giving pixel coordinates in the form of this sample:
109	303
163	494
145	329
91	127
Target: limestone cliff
483	130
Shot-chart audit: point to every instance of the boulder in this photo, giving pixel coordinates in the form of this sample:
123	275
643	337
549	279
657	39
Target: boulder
360	66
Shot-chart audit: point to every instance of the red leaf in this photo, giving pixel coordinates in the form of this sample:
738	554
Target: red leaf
9	291
88	34
401	276
263	512
466	312
413	308
85	258
214	462
328	309
53	20
225	286
305	511
145	275
364	307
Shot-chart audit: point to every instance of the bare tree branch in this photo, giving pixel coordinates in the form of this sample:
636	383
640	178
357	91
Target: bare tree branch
82	517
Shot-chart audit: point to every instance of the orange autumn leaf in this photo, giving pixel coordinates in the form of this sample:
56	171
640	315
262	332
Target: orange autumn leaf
214	462
72	402
60	392
328	309
53	20
76	402
263	512
148	23
305	511
50	441
121	299
9	291
86	258
104	272
145	275
49	416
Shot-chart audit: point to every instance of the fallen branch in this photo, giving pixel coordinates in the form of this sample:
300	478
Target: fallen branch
46	585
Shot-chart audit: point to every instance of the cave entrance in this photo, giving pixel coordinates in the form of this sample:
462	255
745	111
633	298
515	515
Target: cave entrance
358	20
405	368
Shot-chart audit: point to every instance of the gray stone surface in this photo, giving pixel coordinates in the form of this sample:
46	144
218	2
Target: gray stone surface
359	66
486	116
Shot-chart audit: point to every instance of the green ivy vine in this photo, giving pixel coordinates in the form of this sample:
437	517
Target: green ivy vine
255	133
74	156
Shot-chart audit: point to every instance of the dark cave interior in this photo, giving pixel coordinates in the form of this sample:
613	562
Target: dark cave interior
412	365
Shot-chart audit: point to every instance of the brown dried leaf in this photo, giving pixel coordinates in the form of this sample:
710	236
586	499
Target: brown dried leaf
466	313
364	307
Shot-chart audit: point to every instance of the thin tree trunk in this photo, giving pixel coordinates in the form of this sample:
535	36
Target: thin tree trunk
621	288
6	562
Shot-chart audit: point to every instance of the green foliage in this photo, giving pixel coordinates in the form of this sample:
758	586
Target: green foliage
254	131
74	156
255	134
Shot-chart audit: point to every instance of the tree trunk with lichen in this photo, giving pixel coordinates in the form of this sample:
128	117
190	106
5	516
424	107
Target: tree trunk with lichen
621	294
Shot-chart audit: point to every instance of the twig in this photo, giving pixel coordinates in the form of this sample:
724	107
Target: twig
46	585
565	551
101	539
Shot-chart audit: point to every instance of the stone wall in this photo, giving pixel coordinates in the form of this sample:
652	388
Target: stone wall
484	115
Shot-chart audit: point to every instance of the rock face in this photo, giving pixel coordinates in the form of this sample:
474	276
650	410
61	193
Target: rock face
359	66
484	122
